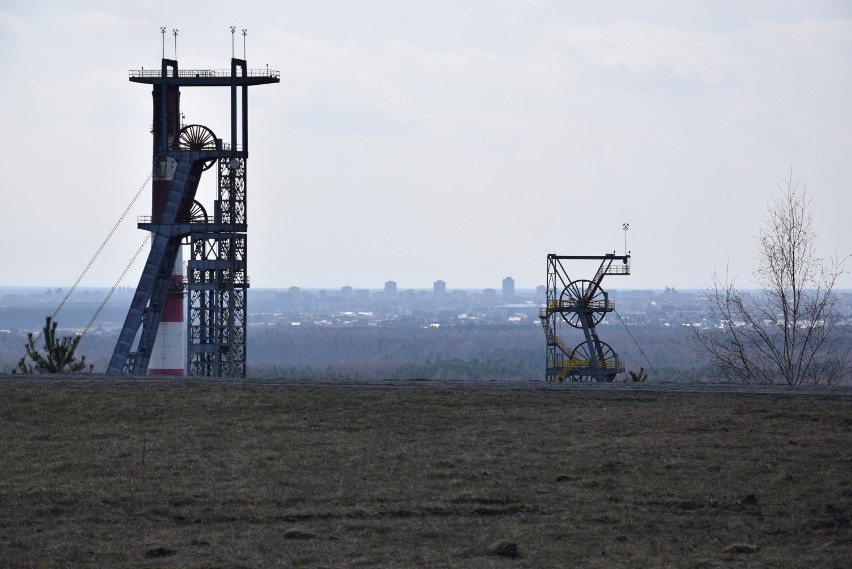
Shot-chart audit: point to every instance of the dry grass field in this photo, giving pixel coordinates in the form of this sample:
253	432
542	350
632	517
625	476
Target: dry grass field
158	475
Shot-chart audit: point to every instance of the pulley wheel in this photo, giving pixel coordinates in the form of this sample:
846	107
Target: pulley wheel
603	355
196	137
586	298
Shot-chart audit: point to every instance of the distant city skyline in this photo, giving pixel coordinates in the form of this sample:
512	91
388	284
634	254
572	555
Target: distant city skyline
350	289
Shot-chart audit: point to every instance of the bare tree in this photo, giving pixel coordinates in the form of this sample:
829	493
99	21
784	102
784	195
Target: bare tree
791	330
58	354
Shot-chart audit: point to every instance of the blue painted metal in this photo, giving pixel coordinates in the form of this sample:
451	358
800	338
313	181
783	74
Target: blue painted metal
145	308
217	282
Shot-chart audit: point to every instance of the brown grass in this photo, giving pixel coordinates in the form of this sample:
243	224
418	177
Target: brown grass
229	476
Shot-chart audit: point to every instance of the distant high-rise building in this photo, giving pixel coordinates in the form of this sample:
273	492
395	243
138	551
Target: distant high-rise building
346	291
439	288
390	288
508	287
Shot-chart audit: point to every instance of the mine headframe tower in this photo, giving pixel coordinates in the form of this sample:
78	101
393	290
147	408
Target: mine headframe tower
217	281
574	305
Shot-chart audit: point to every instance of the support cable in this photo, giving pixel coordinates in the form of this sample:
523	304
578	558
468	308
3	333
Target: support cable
638	346
117	282
98	252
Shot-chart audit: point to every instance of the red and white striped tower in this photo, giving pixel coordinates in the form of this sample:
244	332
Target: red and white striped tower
168	356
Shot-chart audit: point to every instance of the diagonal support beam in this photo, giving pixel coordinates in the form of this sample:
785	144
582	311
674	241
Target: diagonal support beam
146	307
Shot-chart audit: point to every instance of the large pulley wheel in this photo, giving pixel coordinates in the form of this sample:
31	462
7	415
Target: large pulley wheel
197	214
196	137
586	299
595	362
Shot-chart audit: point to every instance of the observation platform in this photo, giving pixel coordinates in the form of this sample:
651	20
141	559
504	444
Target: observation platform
188	226
205	77
600	370
575	305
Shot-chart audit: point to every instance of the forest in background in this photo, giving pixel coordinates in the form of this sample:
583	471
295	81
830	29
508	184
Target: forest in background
457	352
513	351
410	335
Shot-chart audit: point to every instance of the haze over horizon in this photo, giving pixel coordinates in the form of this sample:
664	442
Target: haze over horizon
417	141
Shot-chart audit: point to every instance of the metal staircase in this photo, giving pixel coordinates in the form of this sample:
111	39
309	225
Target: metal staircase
146	307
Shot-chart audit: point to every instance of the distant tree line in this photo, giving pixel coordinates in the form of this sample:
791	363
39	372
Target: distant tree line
463	352
457	352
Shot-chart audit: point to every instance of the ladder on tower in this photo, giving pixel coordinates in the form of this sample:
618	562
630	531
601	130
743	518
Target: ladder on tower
607	268
550	334
565	363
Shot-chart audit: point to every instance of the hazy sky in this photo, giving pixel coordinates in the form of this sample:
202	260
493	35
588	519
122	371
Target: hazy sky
458	140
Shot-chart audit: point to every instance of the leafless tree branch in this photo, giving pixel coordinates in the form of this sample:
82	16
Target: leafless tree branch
790	330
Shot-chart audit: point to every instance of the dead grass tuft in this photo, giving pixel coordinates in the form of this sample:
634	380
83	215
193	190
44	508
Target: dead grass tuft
742	548
749	500
298	533
159	552
504	548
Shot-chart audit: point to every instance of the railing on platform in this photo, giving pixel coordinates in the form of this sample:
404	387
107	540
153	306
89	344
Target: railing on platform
572	304
197	222
579	365
201	73
155	219
576	363
618	269
237	279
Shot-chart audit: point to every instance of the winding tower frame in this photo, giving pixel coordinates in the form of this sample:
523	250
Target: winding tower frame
217	281
579	305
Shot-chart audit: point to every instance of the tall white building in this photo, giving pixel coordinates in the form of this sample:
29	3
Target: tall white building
439	288
508	287
390	288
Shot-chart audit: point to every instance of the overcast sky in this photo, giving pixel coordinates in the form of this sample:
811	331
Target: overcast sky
459	140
